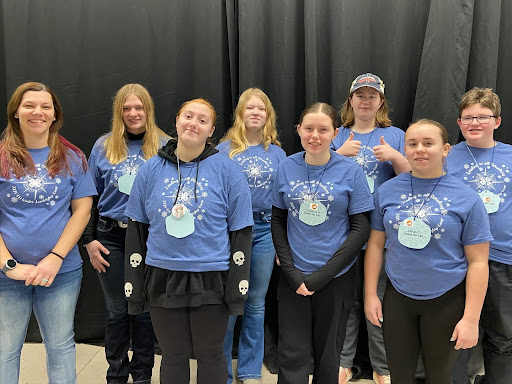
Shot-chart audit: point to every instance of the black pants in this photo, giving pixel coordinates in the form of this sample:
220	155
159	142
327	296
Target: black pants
313	324
410	325
198	330
496	321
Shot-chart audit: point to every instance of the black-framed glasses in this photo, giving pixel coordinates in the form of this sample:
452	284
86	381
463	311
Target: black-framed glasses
466	120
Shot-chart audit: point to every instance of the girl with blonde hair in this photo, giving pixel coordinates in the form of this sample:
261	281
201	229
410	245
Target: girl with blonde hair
115	160
253	144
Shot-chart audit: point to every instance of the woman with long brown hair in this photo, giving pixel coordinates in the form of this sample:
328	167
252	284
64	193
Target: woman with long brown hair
45	200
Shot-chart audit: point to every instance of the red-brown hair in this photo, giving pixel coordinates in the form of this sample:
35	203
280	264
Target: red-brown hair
15	160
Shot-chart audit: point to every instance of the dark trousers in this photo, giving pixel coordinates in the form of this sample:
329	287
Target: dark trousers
496	321
313	325
119	324
182	332
410	325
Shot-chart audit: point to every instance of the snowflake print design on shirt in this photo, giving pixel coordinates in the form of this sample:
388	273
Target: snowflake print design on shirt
36	189
367	160
128	167
431	212
258	170
186	196
306	192
488	176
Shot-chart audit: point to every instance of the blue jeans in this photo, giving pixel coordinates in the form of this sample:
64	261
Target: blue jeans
119	322
251	342
54	308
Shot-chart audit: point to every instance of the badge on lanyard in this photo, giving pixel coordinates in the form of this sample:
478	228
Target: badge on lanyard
491	201
371	183
414	233
125	183
180	223
312	213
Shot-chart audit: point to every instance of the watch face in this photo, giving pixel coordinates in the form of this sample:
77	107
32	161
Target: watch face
11	263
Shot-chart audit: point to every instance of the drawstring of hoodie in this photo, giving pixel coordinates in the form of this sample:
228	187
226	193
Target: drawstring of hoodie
179	180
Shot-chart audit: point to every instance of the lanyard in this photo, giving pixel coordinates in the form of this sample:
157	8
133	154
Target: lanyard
313	196
476	162
180	187
416	212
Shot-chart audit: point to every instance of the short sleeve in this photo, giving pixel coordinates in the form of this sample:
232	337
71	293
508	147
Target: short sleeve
83	184
360	197
376	216
277	198
135	208
239	205
476	227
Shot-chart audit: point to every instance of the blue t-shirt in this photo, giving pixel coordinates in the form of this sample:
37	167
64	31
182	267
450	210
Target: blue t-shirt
36	208
112	201
379	171
492	173
222	206
340	186
456	216
260	167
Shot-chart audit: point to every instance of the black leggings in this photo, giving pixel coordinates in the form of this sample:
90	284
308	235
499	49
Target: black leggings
182	332
411	324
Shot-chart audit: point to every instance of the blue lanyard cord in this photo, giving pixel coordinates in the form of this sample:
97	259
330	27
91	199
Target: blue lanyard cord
425	200
180	187
369	139
476	162
318	183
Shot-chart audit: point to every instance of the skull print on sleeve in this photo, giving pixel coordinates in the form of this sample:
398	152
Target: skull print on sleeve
135	254
237	284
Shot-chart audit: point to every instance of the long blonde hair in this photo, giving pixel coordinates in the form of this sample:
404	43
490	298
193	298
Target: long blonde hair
116	149
237	133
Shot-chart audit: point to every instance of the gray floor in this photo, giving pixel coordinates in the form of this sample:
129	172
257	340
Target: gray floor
91	366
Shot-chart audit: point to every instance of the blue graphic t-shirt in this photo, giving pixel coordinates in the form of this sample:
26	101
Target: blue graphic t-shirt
373	168
491	174
222	206
35	209
456	217
260	167
340	186
112	201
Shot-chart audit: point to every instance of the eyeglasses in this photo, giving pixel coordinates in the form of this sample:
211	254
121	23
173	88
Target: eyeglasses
466	120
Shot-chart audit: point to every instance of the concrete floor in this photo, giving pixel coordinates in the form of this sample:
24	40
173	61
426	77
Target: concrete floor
91	366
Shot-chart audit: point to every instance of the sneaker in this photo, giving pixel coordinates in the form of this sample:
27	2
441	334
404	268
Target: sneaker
251	381
345	375
381	379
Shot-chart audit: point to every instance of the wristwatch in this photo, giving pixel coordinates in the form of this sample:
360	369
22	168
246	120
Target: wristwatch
9	265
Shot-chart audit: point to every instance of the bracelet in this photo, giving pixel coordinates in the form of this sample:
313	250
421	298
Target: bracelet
56	254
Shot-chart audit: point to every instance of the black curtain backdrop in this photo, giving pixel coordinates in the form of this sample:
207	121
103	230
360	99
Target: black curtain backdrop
428	52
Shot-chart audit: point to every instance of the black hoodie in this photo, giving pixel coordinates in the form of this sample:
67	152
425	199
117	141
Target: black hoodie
136	237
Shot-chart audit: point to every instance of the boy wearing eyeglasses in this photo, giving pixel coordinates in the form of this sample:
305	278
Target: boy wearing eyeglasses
486	165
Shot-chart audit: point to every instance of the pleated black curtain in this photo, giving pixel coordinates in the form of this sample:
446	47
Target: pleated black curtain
428	52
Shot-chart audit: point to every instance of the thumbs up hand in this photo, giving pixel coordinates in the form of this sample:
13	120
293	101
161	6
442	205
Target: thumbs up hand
350	147
384	152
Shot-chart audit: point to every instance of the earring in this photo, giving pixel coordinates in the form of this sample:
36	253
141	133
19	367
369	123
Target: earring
15	116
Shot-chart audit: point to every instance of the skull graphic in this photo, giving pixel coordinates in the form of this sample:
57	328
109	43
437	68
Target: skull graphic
128	289
243	287
239	258
135	260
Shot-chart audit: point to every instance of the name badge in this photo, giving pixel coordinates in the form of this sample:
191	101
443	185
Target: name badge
414	233
491	201
371	183
180	223
312	213
125	183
